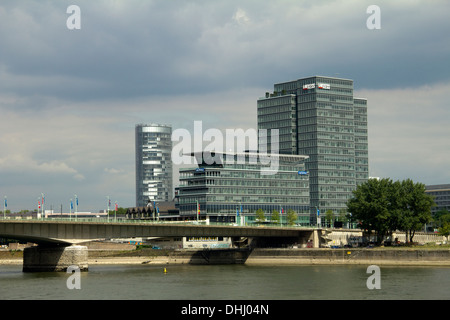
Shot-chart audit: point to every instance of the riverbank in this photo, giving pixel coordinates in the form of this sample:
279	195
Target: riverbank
260	256
361	256
412	256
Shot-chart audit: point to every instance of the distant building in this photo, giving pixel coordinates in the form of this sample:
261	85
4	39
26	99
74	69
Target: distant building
74	215
153	164
441	193
232	191
319	117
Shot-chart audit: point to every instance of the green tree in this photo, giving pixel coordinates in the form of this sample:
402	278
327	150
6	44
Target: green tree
291	217
260	215
414	207
444	229
329	217
343	216
385	206
120	211
275	217
442	220
441	217
370	205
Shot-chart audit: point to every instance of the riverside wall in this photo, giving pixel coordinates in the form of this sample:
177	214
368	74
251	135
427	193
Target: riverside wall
355	237
323	256
107	253
381	256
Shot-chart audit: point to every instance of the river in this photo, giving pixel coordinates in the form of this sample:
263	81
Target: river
227	282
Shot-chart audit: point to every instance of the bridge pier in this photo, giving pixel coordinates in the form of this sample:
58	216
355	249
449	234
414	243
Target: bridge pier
54	258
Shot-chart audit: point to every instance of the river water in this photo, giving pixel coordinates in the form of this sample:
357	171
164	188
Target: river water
227	282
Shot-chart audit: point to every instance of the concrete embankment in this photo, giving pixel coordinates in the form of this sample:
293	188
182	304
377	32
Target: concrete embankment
11	257
382	256
378	256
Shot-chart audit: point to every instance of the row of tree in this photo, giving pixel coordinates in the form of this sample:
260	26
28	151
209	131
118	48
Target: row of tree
442	220
291	216
385	206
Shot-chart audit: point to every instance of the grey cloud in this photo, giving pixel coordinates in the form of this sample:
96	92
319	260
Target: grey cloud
70	99
162	47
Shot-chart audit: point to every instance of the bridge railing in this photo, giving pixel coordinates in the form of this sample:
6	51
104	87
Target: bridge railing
149	221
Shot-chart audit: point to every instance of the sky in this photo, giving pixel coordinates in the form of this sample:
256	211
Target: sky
70	98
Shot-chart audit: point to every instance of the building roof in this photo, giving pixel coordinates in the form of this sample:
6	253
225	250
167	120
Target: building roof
286	158
438	187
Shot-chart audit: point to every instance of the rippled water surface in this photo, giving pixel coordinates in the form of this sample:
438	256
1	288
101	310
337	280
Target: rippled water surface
234	282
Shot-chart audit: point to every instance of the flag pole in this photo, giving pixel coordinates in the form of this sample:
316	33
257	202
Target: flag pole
198	210
107	208
42	204
242	219
281	216
115	212
4	208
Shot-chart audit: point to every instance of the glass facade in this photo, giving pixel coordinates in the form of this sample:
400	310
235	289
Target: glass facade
226	189
361	141
331	128
153	164
441	194
279	112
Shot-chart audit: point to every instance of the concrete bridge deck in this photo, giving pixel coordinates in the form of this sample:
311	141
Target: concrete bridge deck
72	232
57	239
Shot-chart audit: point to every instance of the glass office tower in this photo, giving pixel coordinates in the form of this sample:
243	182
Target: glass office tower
153	164
226	191
320	118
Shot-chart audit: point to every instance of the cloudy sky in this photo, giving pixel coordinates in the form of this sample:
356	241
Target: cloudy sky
70	99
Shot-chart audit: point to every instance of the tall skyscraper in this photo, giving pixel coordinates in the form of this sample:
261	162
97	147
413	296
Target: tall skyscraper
153	164
319	117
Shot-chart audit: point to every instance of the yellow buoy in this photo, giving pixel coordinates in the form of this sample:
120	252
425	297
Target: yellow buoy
165	270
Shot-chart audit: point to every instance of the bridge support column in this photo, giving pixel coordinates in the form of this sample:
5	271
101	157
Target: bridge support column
316	239
57	258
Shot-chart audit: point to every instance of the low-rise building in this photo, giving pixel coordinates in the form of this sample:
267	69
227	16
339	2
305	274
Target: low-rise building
231	187
441	193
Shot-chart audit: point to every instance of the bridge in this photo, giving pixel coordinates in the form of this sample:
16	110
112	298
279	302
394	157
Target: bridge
58	240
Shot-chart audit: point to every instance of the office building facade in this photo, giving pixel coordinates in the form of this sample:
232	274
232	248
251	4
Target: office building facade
153	164
232	191
441	194
319	117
